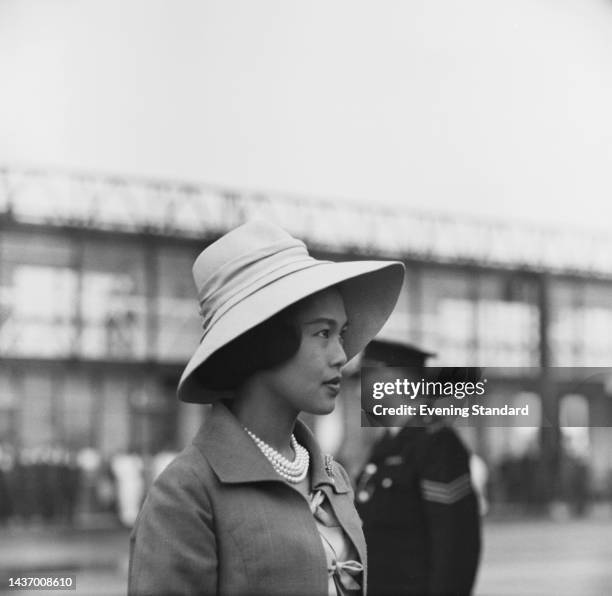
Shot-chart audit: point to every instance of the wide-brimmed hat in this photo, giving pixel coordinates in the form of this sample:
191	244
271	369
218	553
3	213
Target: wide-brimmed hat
257	270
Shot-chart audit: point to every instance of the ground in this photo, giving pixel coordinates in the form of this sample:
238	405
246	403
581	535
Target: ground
521	558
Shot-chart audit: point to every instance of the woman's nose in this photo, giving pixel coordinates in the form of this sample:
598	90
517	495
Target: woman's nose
339	355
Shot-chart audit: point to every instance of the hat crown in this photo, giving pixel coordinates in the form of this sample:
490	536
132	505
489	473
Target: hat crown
243	262
253	236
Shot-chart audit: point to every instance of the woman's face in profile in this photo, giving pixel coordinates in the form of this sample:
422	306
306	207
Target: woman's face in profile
310	380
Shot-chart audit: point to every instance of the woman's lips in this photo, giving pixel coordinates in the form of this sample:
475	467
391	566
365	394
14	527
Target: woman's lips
334	384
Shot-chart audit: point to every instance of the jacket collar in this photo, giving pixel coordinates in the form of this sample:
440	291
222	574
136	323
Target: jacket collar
236	459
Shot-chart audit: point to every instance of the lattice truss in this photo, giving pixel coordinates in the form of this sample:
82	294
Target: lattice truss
190	210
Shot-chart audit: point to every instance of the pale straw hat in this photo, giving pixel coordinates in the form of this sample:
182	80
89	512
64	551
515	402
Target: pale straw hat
257	270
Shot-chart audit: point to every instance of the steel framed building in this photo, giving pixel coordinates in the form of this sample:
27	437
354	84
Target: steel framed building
98	315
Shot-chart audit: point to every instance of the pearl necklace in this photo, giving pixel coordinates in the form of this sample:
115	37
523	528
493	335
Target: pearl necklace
293	471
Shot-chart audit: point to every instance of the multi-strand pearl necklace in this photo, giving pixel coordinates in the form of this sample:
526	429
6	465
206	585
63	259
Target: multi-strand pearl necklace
293	471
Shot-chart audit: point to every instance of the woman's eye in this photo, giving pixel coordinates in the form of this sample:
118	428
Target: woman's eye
323	333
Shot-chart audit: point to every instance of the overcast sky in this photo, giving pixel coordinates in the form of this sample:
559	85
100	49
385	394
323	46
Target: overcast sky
499	108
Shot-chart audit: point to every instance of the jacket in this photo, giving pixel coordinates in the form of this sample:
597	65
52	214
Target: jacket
420	514
219	520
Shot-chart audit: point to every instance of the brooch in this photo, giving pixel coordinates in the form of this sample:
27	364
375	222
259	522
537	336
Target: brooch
329	460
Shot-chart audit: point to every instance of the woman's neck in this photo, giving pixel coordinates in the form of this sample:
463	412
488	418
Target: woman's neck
269	418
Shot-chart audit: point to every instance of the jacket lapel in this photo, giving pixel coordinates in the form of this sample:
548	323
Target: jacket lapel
230	451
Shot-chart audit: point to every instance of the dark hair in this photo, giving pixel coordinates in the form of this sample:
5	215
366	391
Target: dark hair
265	346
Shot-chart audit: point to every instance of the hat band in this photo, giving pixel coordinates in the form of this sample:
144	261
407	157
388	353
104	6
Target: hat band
247	274
233	273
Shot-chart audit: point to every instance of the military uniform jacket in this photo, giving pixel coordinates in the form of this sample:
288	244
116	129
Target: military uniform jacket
219	520
420	514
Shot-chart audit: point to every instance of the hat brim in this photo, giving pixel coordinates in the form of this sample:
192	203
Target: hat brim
370	290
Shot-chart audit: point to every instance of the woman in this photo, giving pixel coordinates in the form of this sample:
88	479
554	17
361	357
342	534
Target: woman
252	506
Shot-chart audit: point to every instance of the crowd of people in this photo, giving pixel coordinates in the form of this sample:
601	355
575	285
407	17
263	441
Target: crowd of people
54	485
38	484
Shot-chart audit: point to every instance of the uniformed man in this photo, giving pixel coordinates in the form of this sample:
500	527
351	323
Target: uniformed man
420	512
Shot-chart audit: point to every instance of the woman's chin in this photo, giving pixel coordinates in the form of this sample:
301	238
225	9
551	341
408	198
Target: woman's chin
323	407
